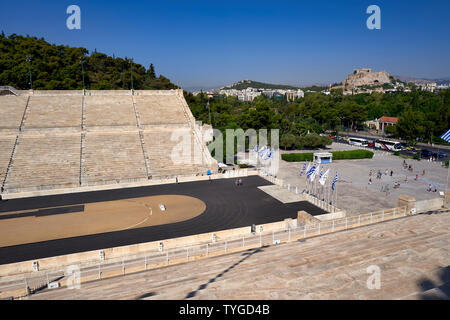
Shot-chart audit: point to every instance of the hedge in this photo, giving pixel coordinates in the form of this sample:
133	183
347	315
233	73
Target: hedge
297	157
337	155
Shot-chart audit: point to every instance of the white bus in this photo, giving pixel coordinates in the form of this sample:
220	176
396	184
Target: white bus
388	145
358	142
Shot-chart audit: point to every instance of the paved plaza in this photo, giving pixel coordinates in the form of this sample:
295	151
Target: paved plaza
354	192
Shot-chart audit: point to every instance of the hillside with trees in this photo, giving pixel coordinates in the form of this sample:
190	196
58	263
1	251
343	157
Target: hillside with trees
244	84
59	67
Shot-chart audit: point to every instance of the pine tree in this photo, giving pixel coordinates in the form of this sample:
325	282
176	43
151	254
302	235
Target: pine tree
151	72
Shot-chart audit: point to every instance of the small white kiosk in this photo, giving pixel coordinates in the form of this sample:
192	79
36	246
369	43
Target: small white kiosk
323	157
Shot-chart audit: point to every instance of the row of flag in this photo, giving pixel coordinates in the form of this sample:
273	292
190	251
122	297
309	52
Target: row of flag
312	171
264	153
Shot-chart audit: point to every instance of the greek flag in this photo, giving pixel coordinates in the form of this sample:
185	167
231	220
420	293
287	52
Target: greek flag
268	155
309	166
262	151
264	154
313	175
303	170
311	171
334	181
321	173
446	136
323	178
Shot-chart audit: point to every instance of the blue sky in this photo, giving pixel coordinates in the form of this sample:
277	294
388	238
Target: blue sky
200	43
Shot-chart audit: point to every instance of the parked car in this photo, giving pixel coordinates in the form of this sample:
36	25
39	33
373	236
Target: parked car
441	154
438	155
413	149
425	153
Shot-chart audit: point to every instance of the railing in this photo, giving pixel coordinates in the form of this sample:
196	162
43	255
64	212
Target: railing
11	89
31	283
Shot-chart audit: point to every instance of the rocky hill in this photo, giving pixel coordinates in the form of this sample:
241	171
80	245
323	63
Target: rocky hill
365	77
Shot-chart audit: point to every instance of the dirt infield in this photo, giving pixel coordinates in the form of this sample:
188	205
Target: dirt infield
24	226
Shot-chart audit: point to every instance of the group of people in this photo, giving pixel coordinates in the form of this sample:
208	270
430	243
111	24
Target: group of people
380	174
391	172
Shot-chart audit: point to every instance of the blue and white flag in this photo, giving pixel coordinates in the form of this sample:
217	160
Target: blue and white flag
311	171
255	149
313	175
303	170
262	151
334	181
263	154
446	136
309	166
268	155
321	173
323	178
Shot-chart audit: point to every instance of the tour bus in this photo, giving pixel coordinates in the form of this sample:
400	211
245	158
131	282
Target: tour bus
358	142
388	145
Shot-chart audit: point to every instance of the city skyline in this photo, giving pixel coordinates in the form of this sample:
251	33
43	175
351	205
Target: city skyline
211	45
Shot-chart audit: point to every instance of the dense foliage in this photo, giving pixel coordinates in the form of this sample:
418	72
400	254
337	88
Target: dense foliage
58	67
337	155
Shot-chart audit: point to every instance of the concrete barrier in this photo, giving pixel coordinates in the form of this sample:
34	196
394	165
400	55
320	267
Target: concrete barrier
331	216
304	217
447	199
432	204
408	202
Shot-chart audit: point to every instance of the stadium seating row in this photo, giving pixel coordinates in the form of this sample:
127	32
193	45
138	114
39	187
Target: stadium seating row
103	137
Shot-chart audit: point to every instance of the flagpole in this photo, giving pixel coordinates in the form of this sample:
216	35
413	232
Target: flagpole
448	171
336	195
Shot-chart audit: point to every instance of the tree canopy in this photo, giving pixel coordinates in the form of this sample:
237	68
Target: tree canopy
421	114
59	67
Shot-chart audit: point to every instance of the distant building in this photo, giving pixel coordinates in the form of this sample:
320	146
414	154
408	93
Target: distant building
381	124
291	95
385	122
431	86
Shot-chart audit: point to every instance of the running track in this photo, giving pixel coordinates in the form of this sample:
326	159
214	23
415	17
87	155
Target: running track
227	207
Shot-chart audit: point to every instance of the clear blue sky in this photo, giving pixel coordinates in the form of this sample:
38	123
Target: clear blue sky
212	43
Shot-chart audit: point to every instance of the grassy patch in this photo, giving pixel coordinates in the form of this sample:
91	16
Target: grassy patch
297	157
337	155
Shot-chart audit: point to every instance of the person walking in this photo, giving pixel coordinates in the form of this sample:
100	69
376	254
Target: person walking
392	172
